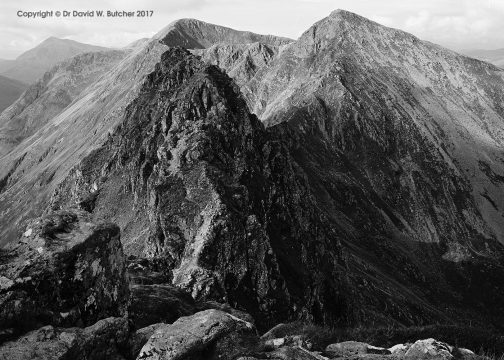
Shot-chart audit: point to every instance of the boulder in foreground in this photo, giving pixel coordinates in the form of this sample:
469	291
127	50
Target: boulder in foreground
102	340
201	335
64	271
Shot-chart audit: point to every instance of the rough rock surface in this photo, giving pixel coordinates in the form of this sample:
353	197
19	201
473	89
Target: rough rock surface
196	337
350	348
429	349
64	271
139	338
103	340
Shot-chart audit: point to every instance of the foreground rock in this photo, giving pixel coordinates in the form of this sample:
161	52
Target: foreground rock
428	349
202	335
350	348
102	340
64	271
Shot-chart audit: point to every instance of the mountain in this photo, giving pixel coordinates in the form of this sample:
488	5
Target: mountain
318	76
32	64
195	34
10	90
495	57
350	177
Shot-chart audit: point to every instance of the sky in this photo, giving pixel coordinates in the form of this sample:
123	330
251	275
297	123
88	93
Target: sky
456	24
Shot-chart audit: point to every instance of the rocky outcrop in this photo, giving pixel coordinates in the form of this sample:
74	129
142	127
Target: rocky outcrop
64	271
240	61
103	340
204	335
429	349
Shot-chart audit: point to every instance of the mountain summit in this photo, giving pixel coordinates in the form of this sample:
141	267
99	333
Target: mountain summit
196	34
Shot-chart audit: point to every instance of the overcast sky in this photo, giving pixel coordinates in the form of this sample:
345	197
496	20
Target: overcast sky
457	24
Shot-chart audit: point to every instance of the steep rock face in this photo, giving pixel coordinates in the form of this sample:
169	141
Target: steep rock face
195	34
241	62
65	270
49	96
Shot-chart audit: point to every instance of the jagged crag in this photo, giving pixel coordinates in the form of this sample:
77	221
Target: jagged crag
331	179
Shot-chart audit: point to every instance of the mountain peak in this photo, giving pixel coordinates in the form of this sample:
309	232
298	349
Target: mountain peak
344	13
350	18
54	40
196	34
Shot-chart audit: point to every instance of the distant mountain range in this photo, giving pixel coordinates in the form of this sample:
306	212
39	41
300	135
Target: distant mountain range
10	90
495	57
32	64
